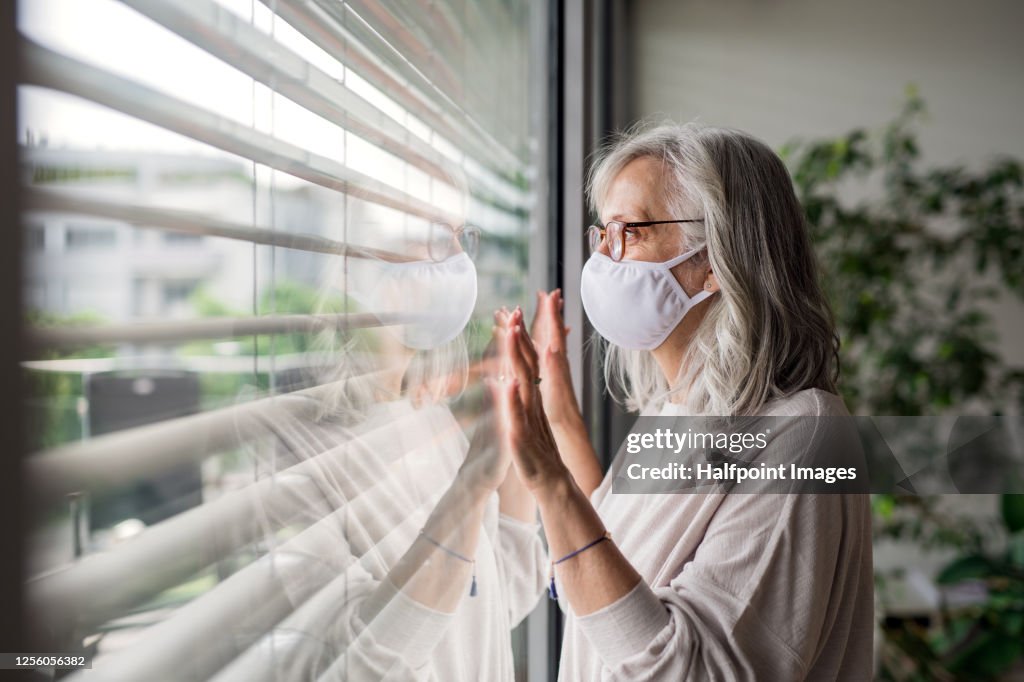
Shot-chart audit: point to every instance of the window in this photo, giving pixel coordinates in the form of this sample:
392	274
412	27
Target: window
174	239
35	237
88	237
175	292
249	191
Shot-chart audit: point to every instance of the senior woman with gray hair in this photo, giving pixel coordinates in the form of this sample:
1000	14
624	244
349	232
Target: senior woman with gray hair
704	283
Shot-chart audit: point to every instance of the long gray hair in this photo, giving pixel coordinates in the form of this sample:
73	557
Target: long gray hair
770	331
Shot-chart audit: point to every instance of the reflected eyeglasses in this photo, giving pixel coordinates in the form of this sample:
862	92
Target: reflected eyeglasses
615	231
446	241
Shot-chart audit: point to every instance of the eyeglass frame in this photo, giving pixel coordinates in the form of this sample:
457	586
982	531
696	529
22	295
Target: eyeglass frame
456	233
604	229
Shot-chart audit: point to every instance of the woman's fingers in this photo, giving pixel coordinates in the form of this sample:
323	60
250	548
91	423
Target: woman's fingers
522	455
511	413
523	372
489	360
553	312
517	320
502	327
501	317
528	436
516	344
554	320
545	327
536	328
529	352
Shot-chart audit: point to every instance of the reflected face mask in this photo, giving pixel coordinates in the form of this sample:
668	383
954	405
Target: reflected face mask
635	304
439	297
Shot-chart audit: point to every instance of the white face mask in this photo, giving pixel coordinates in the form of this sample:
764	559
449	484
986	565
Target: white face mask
635	304
439	296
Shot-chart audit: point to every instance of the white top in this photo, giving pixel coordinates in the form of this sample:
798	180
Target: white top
368	493
735	587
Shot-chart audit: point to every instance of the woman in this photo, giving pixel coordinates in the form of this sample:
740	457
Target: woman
704	282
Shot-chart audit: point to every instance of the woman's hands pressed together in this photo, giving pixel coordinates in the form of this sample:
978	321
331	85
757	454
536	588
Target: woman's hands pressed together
527	432
557	395
487	467
600	575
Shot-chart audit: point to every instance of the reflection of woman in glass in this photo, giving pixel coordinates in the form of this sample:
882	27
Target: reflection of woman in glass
407	553
704	282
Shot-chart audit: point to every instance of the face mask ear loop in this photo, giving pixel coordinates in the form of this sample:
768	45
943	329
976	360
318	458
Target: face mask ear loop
697	298
681	258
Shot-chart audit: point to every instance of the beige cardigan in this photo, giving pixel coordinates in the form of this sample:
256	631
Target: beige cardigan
735	587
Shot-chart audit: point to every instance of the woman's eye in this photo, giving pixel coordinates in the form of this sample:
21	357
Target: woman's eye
632	233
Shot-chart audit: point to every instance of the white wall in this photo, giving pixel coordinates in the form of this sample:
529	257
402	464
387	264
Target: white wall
804	68
780	68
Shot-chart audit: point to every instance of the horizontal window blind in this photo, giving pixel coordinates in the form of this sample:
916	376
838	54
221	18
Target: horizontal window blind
194	223
245	391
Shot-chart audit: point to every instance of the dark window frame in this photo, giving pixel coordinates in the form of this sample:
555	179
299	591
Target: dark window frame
13	633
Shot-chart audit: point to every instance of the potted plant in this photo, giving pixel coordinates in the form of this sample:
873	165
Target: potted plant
912	268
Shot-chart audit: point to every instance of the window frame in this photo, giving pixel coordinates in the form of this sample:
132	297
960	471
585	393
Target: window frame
12	495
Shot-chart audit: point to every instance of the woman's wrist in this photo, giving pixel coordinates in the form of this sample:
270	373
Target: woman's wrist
571	434
473	484
555	484
567	420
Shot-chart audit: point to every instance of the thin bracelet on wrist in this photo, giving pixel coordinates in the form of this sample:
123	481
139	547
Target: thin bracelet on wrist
552	592
452	552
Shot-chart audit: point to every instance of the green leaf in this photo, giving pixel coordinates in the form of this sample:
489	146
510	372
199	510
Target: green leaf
1014	623
1013	512
884	506
1015	550
993	654
965	568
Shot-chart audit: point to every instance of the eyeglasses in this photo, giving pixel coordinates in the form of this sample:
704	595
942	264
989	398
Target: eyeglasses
445	241
615	232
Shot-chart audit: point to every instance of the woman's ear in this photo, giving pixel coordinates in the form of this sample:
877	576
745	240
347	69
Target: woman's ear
711	283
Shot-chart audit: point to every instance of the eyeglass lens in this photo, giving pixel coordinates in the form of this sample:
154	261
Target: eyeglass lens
469	240
612	237
442	241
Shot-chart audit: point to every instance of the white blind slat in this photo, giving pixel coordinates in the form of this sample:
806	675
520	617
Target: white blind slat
123	456
47	68
222	34
176	331
346	39
190	222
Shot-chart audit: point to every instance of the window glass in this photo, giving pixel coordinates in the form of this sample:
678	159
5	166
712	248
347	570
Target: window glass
264	242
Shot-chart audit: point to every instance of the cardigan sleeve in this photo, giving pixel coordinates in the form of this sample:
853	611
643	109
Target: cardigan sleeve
522	565
397	643
322	575
748	606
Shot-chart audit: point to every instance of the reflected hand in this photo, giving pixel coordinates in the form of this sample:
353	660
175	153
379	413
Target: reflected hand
486	464
549	333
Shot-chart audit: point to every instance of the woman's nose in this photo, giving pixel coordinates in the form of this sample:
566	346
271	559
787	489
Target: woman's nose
602	246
